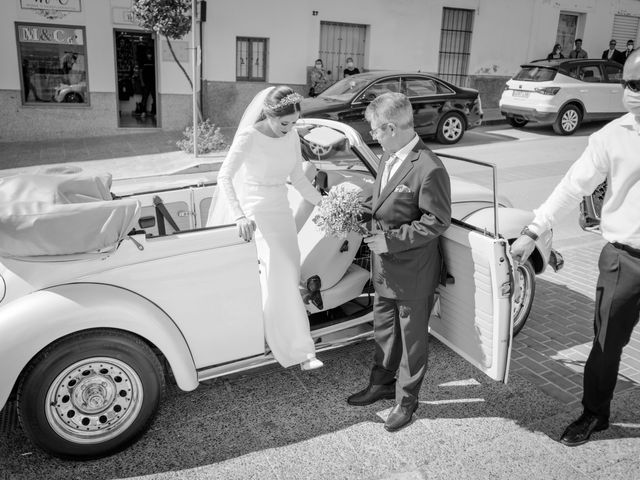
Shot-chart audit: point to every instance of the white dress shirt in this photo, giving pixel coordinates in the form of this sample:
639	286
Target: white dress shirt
613	154
392	165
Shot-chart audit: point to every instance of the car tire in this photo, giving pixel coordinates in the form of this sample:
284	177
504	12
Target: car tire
517	122
73	97
451	128
90	394
523	296
568	120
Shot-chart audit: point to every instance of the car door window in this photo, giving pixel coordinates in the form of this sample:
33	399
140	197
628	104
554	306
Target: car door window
613	73
590	74
419	87
379	88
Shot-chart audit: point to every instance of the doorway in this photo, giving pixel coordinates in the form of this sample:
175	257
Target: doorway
136	79
339	41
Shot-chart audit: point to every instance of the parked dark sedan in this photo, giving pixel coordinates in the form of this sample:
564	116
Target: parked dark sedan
440	109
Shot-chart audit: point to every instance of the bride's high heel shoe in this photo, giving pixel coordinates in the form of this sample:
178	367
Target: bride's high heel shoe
311	363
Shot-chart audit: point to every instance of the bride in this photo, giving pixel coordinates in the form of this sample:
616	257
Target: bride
252	192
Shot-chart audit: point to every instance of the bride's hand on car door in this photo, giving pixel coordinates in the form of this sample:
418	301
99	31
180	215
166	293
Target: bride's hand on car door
246	228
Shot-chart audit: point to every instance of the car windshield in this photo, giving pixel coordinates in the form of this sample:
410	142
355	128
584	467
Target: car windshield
536	74
345	89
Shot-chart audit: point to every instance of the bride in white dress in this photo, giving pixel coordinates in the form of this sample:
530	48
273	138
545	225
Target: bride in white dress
252	192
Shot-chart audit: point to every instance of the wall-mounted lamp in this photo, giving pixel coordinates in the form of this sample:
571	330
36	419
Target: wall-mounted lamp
314	13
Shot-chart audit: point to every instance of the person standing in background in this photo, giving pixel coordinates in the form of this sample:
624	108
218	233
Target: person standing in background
628	51
350	68
556	53
319	79
613	53
578	52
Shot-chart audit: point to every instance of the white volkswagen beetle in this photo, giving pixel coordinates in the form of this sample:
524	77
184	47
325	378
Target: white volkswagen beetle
101	302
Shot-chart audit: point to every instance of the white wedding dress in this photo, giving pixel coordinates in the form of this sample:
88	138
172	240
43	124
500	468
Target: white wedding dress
253	179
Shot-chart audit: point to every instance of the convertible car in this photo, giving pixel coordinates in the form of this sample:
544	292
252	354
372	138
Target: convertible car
108	291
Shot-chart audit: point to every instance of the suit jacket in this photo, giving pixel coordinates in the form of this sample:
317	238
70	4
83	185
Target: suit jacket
413	209
617	56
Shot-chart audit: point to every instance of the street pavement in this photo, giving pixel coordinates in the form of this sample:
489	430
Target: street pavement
285	423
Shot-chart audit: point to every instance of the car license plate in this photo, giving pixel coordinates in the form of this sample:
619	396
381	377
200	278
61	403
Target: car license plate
520	93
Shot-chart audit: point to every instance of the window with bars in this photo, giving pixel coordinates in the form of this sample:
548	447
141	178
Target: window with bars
455	44
251	59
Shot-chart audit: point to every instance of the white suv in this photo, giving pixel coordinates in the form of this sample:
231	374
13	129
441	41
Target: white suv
563	92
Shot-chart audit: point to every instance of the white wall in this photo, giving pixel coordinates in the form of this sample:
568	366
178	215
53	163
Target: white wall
403	34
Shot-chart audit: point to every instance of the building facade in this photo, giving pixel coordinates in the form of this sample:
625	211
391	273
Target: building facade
81	67
75	68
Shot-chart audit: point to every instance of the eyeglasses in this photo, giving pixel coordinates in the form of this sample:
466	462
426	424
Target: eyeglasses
633	85
374	132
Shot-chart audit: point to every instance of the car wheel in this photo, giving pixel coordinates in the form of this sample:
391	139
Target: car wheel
73	97
523	296
568	120
450	128
517	122
90	394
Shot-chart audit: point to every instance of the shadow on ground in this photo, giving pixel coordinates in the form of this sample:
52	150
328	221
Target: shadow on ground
285	423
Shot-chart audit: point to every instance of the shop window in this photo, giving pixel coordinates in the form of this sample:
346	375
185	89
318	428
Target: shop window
53	61
251	59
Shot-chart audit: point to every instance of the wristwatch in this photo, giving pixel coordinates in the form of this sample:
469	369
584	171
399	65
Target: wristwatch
529	233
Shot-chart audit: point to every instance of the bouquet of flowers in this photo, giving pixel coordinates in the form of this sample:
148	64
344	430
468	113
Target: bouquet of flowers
340	212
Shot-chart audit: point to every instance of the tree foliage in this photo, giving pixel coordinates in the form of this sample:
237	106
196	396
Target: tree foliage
169	18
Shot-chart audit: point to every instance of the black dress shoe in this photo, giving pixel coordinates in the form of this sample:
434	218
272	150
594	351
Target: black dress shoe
579	431
372	394
399	417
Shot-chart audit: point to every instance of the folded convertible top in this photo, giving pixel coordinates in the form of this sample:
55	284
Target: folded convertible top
48	214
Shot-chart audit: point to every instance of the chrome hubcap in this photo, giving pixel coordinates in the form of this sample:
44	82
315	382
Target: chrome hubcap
94	400
570	120
452	128
319	150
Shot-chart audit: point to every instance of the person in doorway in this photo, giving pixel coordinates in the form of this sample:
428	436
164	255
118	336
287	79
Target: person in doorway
410	210
264	155
612	53
611	155
148	84
319	79
137	89
578	52
556	53
629	50
350	69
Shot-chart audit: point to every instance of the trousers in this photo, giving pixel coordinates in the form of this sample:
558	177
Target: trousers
616	314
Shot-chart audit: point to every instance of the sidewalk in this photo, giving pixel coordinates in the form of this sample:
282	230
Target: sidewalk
124	156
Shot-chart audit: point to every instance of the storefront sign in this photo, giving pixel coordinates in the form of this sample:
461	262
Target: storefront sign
41	34
122	16
56	5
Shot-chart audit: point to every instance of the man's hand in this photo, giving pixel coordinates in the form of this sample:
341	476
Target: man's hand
377	243
522	248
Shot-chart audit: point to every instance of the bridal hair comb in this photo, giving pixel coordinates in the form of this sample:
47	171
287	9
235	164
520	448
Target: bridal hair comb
291	99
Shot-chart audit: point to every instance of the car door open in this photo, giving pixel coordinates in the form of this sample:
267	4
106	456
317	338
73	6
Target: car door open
473	311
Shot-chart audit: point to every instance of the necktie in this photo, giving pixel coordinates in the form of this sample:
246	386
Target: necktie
387	170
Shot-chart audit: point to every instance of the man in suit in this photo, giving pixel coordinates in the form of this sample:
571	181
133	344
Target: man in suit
613	53
410	209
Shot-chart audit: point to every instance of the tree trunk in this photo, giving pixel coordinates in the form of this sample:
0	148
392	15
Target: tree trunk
175	58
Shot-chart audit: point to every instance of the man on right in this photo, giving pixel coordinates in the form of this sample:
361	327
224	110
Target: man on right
611	155
627	53
613	53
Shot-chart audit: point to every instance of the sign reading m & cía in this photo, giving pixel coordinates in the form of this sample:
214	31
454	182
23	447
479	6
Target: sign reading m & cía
40	34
